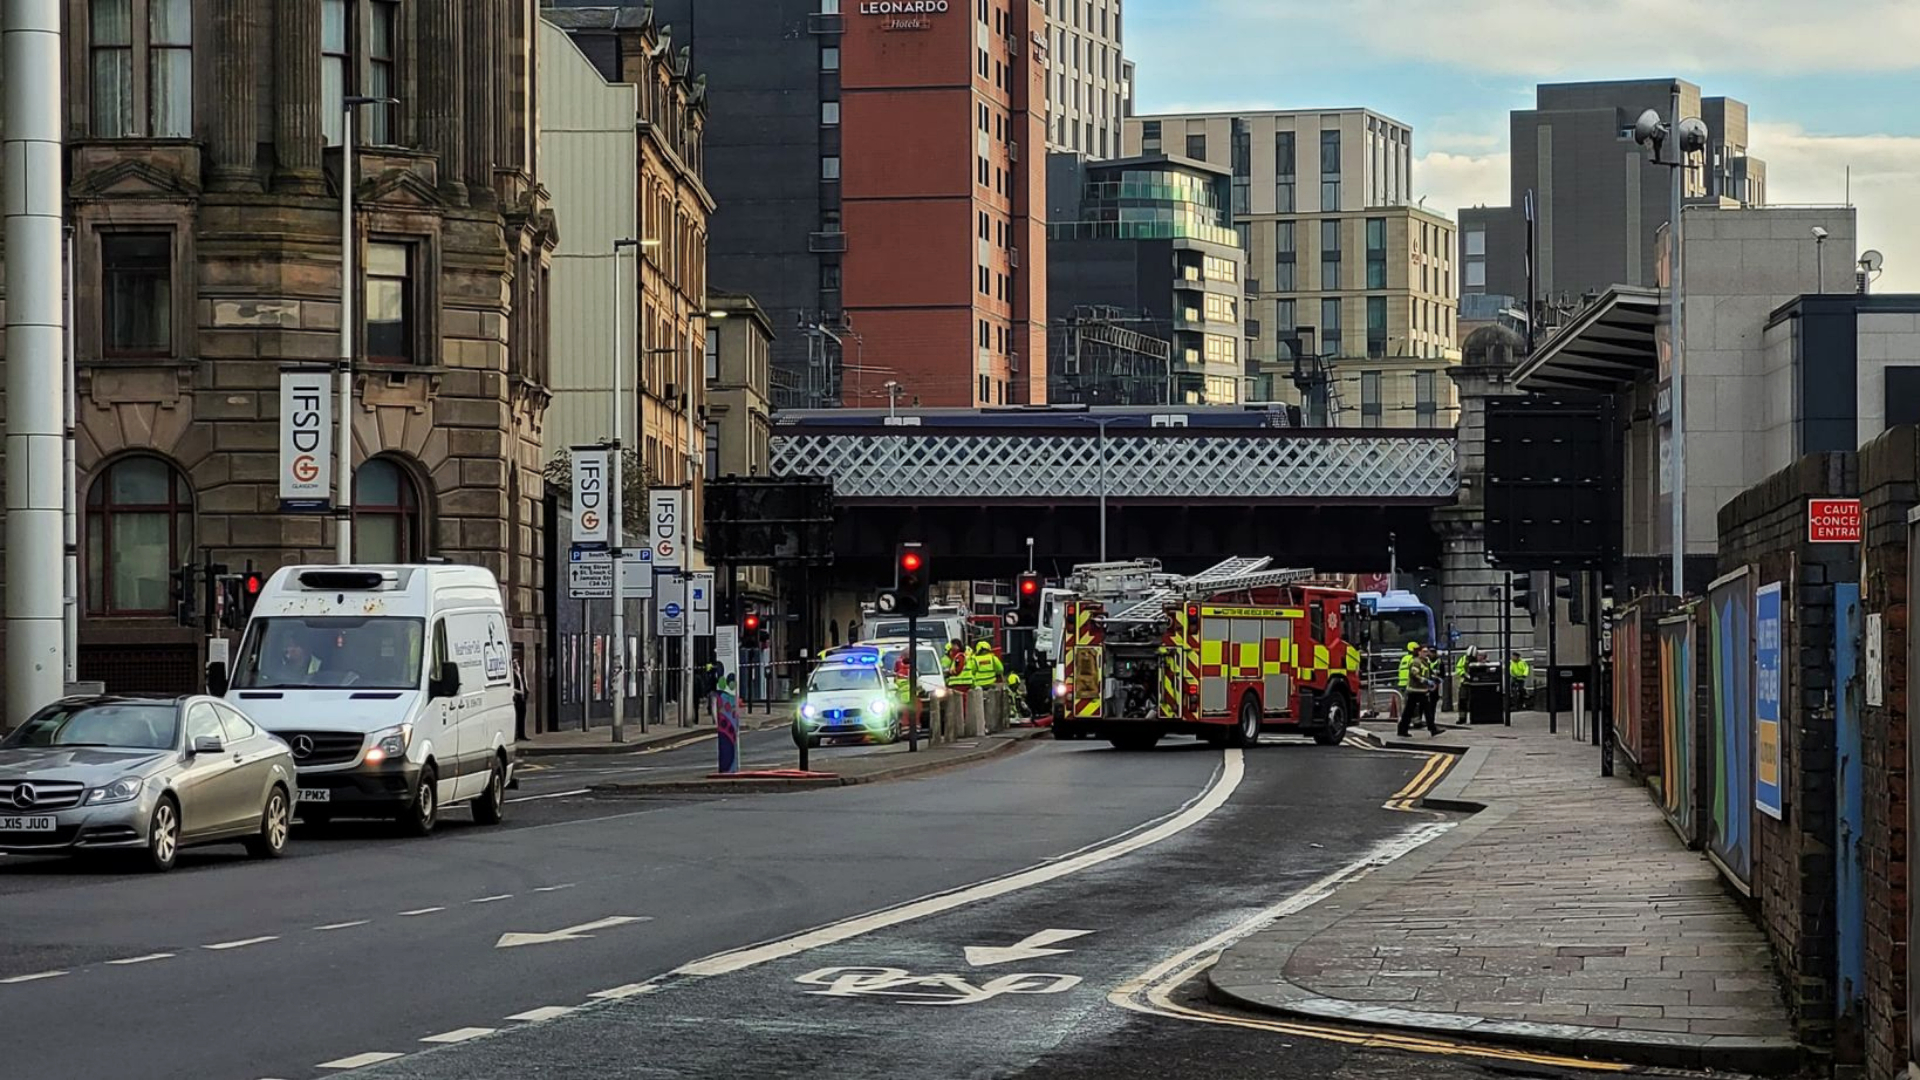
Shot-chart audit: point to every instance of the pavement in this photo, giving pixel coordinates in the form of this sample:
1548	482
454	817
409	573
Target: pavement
1565	915
599	740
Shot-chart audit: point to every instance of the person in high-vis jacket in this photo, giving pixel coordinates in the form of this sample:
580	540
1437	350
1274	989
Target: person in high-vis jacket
1406	665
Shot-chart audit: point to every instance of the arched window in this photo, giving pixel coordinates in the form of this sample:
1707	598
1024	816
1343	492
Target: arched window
386	514
139	528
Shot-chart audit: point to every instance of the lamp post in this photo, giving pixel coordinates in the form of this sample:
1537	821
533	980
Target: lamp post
1101	422
1688	136
616	526
349	281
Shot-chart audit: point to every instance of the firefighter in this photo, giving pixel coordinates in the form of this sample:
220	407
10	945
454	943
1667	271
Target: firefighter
956	660
1519	670
1467	659
1423	685
1015	691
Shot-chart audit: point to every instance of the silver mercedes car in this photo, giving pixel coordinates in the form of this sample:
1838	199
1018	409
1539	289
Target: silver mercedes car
143	775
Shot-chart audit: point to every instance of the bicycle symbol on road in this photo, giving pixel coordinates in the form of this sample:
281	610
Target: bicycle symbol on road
929	989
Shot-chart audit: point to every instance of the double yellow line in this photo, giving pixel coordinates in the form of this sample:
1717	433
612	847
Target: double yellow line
1408	798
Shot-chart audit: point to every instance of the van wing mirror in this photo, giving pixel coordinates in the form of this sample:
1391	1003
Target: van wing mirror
446	681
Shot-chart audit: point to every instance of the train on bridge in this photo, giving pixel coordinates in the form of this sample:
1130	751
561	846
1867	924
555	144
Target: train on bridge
1270	414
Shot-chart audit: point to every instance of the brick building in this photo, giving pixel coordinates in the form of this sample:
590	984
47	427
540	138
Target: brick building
203	168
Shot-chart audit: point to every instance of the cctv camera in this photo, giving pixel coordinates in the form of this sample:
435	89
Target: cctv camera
1819	233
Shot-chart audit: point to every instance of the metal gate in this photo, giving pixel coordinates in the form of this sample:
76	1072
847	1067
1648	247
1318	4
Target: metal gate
1850	893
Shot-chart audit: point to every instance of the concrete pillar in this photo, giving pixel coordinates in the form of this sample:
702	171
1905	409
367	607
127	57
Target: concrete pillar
477	55
297	132
36	357
1472	598
235	144
442	90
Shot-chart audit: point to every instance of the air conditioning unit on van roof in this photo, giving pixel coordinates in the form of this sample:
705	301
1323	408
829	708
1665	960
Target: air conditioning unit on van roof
337	579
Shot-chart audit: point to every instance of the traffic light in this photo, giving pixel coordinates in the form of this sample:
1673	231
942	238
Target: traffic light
751	623
182	588
912	582
1521	587
238	593
1026	601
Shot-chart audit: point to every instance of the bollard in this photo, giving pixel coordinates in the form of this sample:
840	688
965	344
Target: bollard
975	723
1579	711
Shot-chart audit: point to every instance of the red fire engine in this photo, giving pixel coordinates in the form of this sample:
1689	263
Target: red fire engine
1224	655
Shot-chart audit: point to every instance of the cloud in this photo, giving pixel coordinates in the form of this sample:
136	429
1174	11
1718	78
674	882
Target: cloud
1546	38
1450	181
1809	168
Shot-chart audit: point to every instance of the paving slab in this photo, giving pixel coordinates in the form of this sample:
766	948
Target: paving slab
1563	914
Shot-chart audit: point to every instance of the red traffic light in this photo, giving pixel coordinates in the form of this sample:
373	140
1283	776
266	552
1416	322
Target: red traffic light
1028	586
910	561
753	622
253	584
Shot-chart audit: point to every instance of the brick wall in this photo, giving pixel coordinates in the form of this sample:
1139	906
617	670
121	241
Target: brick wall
1793	866
1889	488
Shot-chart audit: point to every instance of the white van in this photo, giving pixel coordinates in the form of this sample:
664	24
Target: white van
392	684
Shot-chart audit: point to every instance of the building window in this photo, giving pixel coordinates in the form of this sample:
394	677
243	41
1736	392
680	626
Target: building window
1330	170
139	527
1283	171
1376	253
830	168
1330	326
357	52
1426	399
1219	269
713	354
1476	242
1221	308
136	294
1197	146
1242	167
1286	255
1370	406
1330	254
1476	274
1222	350
389	303
119	40
1150	136
830	58
829	112
1376	326
386	514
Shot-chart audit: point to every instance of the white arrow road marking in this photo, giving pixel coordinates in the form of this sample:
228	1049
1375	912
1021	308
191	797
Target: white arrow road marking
1027	948
571	933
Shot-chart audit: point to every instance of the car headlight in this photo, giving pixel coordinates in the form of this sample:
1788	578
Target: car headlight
125	789
1060	689
939	691
390	743
879	707
807	710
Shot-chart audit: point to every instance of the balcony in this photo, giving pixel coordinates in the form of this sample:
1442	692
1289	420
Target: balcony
827	243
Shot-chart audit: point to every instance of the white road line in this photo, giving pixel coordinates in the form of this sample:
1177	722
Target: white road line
242	943
551	795
35	977
344	925
620	992
458	1035
421	911
142	959
491	899
553	888
1233	769
544	1012
371	1058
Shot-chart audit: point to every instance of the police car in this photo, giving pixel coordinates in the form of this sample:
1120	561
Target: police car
850	697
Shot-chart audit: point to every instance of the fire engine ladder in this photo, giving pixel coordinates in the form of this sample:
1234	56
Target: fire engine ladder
1244	572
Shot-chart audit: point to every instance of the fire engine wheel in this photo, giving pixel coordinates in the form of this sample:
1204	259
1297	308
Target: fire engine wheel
1333	726
1247	731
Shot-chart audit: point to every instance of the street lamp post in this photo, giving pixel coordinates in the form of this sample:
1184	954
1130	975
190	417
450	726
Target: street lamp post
1687	136
1101	423
349	281
616	525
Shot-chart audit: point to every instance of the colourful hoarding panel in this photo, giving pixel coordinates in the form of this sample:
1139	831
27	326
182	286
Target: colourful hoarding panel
1768	763
1626	685
1730	804
1677	723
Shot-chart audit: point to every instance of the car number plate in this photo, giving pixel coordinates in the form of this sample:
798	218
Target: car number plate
29	823
308	794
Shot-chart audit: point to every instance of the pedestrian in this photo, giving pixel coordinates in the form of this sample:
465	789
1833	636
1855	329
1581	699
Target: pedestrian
1519	671
519	702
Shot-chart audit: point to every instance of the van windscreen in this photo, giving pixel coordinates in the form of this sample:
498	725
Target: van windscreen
294	652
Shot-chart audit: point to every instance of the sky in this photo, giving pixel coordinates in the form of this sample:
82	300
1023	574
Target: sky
1829	85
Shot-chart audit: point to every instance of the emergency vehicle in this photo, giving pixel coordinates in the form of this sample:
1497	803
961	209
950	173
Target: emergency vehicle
1224	655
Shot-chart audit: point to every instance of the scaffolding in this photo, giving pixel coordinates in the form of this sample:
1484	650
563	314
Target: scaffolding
1097	358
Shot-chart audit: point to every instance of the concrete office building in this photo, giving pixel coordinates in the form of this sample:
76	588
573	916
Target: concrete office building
202	170
880	173
1150	237
1342	267
1774	369
1090	83
1598	198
